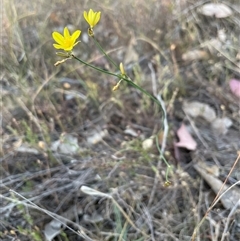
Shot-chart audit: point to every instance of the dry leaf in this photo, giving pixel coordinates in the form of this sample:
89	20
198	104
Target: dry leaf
131	132
67	144
195	55
185	139
195	109
214	45
221	125
222	35
94	218
93	192
219	10
235	87
97	137
53	228
230	198
25	148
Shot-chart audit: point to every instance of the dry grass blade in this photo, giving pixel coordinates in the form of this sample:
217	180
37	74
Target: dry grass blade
217	198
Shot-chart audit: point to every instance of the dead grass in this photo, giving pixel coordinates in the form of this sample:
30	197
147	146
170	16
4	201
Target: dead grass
42	103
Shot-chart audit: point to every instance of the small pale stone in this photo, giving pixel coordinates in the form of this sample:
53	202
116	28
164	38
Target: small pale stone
147	144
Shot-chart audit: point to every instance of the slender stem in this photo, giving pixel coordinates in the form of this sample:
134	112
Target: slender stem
102	51
161	154
93	67
130	82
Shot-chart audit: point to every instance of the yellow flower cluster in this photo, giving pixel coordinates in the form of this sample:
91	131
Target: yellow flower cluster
67	41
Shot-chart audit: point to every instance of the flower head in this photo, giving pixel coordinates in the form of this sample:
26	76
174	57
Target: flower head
92	17
66	41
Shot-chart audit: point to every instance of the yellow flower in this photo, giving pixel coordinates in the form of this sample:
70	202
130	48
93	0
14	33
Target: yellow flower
65	41
92	17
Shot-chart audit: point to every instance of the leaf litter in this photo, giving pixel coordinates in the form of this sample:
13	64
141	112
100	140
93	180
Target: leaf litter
57	177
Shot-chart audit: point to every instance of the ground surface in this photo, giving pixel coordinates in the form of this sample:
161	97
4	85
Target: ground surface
63	127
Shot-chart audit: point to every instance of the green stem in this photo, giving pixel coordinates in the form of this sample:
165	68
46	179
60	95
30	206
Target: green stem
102	51
163	158
130	82
93	67
161	154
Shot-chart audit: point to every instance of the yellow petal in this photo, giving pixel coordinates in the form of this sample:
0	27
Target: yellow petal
75	35
57	46
97	18
90	14
85	15
66	33
58	37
